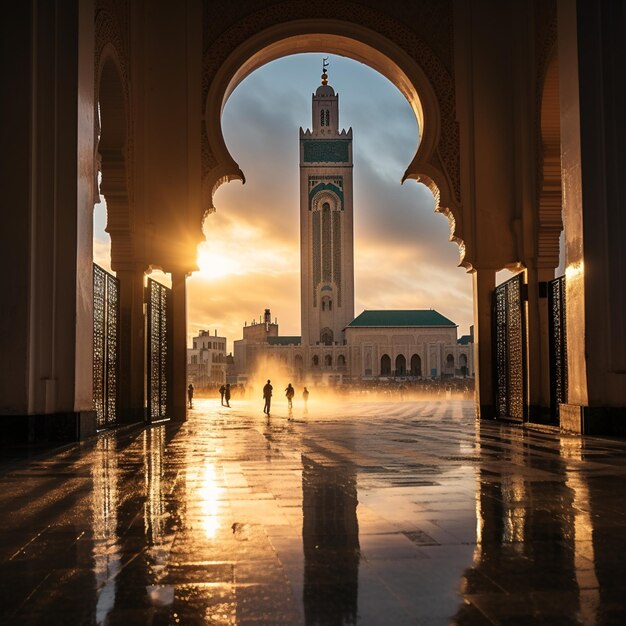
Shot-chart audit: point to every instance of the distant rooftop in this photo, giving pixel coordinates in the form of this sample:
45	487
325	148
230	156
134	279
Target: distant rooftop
419	317
284	341
465	340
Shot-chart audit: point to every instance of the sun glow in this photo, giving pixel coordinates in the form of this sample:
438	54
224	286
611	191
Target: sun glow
217	261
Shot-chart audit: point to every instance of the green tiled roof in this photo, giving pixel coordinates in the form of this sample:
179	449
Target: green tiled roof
284	341
465	340
421	317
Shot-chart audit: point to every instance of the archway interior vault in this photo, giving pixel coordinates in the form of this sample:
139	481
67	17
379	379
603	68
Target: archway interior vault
347	40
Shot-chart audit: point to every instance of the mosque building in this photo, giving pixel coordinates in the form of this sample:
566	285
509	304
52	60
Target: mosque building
334	345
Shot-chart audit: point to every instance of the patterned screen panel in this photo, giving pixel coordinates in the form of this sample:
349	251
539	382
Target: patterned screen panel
317	253
326	244
158	350
558	345
106	317
326	151
510	352
337	216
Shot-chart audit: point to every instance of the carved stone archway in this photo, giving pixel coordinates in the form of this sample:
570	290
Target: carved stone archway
424	76
550	194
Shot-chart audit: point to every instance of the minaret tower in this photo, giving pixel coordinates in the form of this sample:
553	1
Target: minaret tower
326	224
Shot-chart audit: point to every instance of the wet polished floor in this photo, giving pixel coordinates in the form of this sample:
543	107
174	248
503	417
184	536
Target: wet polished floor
380	513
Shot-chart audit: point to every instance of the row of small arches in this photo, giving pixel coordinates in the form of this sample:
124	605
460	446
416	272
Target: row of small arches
415	365
385	364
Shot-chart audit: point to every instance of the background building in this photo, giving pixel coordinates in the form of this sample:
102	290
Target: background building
334	345
207	360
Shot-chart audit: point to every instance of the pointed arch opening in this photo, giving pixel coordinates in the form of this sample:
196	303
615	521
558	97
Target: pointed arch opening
416	365
385	365
347	39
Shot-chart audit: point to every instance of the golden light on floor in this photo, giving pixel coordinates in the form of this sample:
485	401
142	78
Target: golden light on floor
210	493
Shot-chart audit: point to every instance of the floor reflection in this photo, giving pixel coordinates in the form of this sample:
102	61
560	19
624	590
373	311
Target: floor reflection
229	519
106	548
330	536
541	545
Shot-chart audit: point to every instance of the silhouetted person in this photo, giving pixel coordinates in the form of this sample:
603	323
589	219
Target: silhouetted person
222	392
267	396
227	395
290	393
190	395
401	390
305	397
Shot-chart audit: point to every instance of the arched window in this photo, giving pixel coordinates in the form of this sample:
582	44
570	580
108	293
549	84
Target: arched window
328	360
463	364
341	361
450	365
400	365
327	304
326	337
416	365
316	361
385	365
327	117
322	117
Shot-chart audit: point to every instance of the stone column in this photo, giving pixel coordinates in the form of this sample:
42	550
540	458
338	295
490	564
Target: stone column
592	57
178	346
132	379
484	283
46	314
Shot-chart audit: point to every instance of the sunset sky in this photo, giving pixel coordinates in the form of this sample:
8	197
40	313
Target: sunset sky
251	259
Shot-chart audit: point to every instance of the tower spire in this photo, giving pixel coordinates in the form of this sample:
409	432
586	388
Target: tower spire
324	74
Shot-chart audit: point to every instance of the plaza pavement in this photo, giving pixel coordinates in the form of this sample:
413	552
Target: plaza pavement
356	513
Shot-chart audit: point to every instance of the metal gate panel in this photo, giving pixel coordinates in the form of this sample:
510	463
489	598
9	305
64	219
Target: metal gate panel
558	345
509	339
158	297
106	317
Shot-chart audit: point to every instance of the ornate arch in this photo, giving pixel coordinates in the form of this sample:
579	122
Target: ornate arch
321	197
549	201
114	132
357	32
550	192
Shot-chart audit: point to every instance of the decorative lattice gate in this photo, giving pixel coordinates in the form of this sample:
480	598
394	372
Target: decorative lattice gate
558	345
106	324
510	348
158	314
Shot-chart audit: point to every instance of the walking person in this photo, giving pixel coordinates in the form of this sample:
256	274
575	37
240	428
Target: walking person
290	393
305	398
222	392
267	396
190	395
227	395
